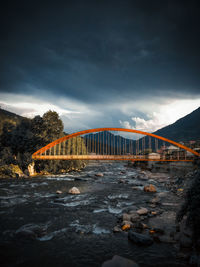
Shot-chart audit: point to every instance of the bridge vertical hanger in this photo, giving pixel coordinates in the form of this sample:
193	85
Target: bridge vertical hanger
71	146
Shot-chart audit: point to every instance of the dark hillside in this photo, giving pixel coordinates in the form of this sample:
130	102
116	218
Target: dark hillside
184	129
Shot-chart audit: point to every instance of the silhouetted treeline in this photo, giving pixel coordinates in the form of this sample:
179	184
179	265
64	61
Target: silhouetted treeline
19	142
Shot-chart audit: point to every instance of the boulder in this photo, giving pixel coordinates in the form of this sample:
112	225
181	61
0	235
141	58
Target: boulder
142	211
139	239
74	191
150	188
118	261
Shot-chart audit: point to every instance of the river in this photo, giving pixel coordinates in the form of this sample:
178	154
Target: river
42	228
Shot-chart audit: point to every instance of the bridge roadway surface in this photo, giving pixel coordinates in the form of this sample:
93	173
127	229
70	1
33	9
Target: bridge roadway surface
102	157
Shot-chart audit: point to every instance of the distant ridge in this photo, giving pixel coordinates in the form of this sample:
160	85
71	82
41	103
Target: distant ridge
185	129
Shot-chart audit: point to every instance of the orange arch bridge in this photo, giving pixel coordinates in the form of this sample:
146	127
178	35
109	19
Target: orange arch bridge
107	144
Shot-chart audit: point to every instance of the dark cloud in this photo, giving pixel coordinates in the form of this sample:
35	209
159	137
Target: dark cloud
94	50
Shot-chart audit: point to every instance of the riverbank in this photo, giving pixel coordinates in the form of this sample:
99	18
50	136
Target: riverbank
14	171
40	227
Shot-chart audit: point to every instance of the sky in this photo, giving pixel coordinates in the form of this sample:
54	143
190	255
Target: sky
101	63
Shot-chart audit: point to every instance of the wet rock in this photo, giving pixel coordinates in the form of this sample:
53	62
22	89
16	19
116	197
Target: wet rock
155	200
74	191
117	229
126	226
127	223
164	222
118	261
126	217
158	231
134	217
100	174
144	225
142	211
138	226
30	231
58	192
26	234
140	239
150	188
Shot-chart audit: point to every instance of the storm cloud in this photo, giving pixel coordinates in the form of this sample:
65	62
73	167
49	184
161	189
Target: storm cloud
100	53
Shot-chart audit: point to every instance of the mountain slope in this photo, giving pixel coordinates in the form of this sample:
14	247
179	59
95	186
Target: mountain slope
7	116
184	129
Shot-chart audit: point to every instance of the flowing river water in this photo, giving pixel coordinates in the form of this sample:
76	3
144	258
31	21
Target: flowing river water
41	228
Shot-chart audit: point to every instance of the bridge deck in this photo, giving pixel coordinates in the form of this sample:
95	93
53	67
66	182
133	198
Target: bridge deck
102	157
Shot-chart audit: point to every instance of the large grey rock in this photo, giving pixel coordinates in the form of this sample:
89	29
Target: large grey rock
118	261
140	239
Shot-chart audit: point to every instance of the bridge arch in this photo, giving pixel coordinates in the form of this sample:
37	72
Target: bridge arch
80	133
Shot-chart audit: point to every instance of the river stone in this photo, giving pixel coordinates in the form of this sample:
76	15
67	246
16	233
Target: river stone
139	239
117	229
74	190
126	223
100	174
150	188
118	261
134	217
142	211
155	200
126	217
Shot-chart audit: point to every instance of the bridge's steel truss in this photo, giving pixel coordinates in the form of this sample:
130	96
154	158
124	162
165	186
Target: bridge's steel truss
103	145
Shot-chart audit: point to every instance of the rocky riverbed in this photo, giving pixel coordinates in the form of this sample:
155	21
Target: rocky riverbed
42	224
